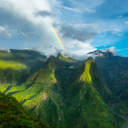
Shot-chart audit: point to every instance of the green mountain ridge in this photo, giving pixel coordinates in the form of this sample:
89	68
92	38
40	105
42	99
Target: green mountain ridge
88	72
17	66
64	93
86	102
115	71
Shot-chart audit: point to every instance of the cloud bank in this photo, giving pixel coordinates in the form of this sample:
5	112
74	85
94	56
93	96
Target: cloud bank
82	26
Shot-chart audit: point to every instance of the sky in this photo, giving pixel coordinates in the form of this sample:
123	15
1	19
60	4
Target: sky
82	25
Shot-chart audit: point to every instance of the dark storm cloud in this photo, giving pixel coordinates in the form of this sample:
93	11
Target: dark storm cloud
79	34
45	14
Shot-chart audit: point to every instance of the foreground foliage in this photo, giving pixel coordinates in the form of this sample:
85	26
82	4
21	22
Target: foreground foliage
12	115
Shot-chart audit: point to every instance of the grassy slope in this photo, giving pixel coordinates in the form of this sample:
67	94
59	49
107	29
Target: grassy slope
41	97
32	59
89	73
88	109
11	70
16	66
7	62
13	115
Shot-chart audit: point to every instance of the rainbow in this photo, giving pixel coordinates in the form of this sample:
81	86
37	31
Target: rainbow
57	37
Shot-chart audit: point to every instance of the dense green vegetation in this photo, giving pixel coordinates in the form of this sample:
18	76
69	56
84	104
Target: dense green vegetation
115	71
88	109
17	65
121	107
13	115
60	91
86	106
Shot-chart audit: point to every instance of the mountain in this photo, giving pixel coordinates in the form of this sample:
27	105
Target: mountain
115	71
102	53
12	114
70	63
86	107
63	92
40	95
17	65
89	72
32	59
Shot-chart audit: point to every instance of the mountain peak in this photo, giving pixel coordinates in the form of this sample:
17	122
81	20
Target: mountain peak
89	72
83	74
90	59
102	53
53	62
59	54
52	57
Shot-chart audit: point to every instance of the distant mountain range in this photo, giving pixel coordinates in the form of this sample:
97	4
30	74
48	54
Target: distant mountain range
67	93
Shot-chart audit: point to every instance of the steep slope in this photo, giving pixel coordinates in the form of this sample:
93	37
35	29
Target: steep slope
41	97
54	63
89	72
86	107
17	65
115	71
32	59
13	115
12	72
67	97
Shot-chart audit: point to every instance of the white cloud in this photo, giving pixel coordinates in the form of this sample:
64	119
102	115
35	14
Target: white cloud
71	9
4	49
77	47
86	6
111	49
4	32
78	9
126	22
119	34
116	30
36	29
26	9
